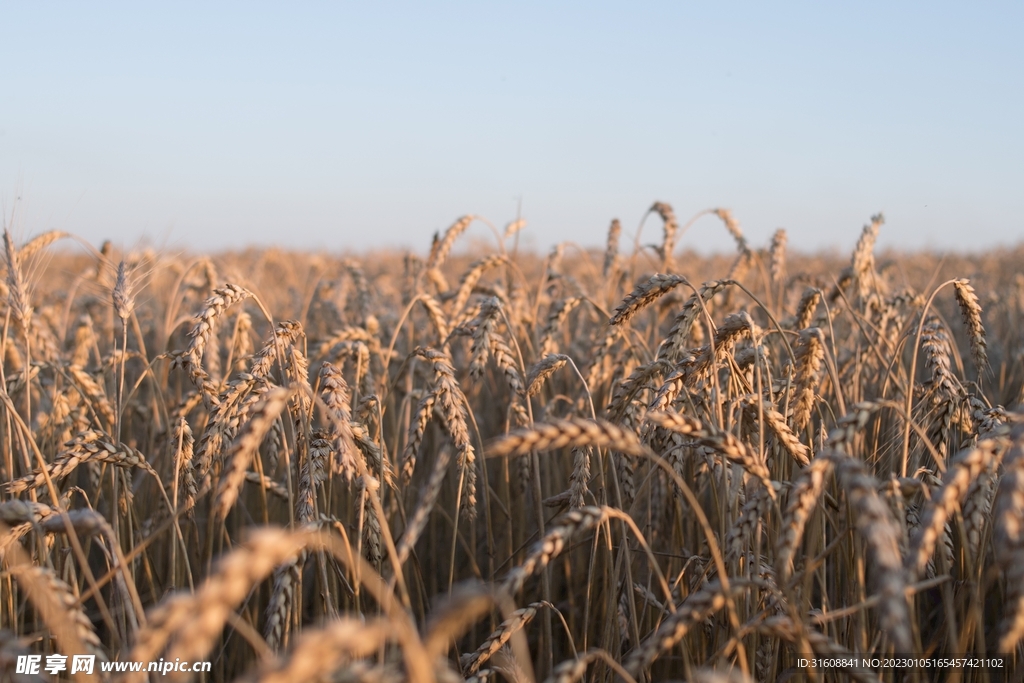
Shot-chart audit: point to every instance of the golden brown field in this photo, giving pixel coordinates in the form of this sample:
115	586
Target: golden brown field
619	464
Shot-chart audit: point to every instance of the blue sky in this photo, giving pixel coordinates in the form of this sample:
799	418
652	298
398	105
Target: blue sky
356	126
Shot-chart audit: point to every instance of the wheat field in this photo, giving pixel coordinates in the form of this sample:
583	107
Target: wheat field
618	464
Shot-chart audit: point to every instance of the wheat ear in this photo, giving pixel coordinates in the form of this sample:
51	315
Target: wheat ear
243	450
17	296
777	255
810	355
472	661
611	251
970	311
695	609
644	295
668	244
55	603
554	542
575	432
881	532
963	470
90	446
803	497
542	370
319	652
574	669
1008	541
191	622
